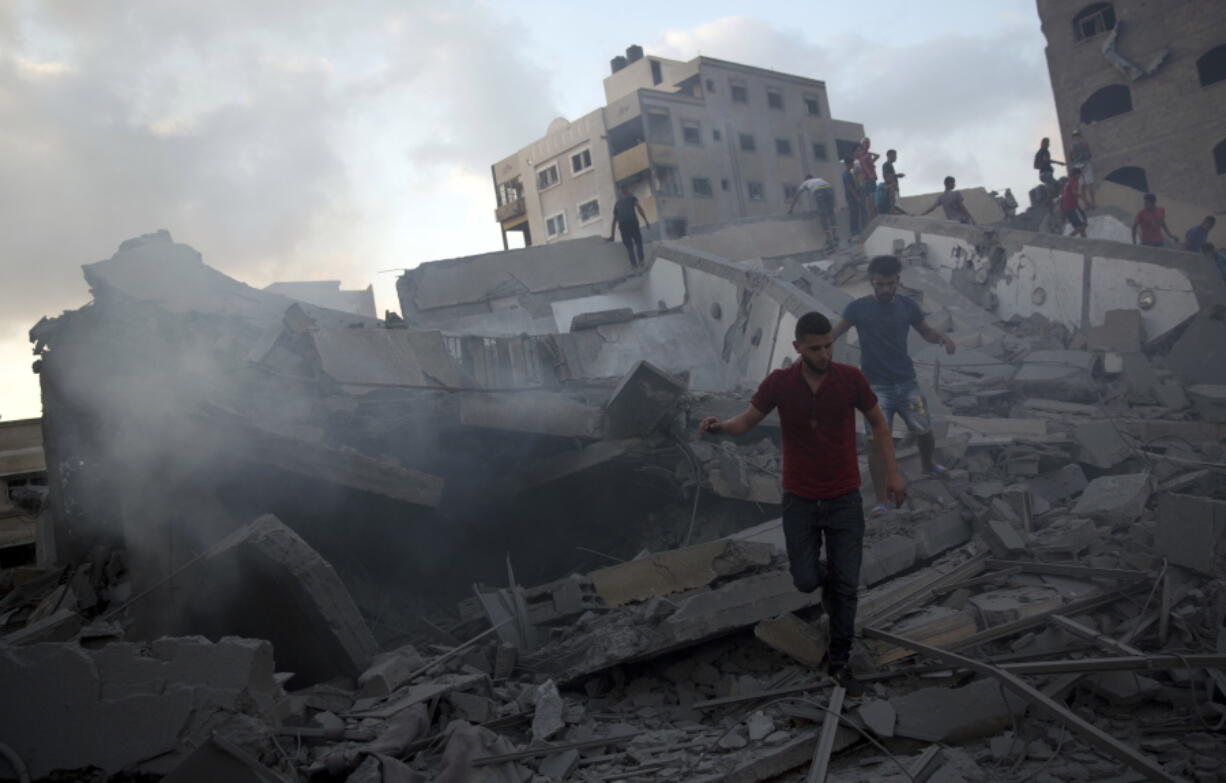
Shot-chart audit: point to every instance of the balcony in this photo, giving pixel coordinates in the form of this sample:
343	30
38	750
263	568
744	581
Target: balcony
632	161
509	210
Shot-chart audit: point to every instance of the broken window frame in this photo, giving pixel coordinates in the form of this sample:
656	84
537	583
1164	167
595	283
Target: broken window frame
753	187
542	175
555	225
1104	103
659	126
819	151
693	139
783	147
584	157
774	99
666	180
510	191
1130	177
746	142
592	216
1093	20
701	187
813	105
738	91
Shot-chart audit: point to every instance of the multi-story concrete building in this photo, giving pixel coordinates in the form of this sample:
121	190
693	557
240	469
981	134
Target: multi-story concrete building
1146	83
699	142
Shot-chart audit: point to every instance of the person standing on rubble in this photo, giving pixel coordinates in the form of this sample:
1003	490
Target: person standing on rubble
1081	158
823	194
855	200
953	205
883	320
816	397
889	180
1043	161
1151	220
1070	204
625	220
866	162
1199	234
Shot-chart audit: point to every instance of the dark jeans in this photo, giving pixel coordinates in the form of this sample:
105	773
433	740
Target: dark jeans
855	215
632	238
841	520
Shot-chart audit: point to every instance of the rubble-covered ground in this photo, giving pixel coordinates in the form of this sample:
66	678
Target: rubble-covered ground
284	543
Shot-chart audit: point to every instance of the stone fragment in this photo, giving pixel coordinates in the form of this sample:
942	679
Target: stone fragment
733	740
559	766
678	569
389	671
760	726
548	718
1061	375
1004	539
1059	485
1120	331
1101	444
792	636
879	716
1209	400
956	715
1116	499
940	533
997	607
644	396
1199	355
887	557
1191	532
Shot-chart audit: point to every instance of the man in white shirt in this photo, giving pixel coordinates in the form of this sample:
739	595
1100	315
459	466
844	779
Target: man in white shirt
823	193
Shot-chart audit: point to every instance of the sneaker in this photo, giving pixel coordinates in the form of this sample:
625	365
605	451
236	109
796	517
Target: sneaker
843	677
878	510
938	471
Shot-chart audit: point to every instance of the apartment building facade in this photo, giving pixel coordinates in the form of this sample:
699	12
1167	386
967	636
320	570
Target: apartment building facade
698	142
1145	82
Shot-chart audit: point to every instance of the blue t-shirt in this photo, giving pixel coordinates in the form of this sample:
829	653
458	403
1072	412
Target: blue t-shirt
1196	237
883	327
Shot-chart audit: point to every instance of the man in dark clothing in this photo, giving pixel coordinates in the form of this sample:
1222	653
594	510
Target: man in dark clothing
952	203
627	222
882	322
890	179
1043	161
1199	234
855	200
816	398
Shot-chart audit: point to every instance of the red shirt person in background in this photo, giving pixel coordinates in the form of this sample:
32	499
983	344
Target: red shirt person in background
817	399
1152	222
1070	206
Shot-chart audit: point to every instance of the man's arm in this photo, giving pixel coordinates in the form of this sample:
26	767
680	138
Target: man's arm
1134	231
933	336
967	212
934	206
737	425
1167	230
639	207
840	329
792	203
883	442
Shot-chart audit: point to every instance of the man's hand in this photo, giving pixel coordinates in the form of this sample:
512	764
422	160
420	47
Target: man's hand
950	347
895	488
710	424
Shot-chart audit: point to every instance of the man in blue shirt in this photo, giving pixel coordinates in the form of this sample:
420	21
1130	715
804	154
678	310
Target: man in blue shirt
882	322
1199	234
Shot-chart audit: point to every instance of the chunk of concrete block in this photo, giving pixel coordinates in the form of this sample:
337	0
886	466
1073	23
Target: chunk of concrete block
956	715
887	557
760	726
559	766
678	569
1199	355
940	533
266	582
997	607
389	671
1101	444
601	318
879	716
1123	688
1170	394
792	636
1061	375
1191	532
1059	485
1120	331
1209	401
1115	499
644	396
1139	378
1003	538
547	718
59	626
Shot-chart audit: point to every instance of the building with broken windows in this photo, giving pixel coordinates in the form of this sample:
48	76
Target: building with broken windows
1146	84
699	143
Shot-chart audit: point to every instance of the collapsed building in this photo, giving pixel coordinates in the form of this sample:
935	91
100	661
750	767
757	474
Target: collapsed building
481	541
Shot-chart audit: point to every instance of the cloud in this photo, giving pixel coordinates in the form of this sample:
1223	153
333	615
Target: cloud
286	139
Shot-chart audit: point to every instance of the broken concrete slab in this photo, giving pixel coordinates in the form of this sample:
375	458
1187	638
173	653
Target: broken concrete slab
547	717
879	716
1209	400
389	671
289	594
59	626
1101	444
1199	355
1120	331
678	569
1191	532
986	431
997	607
954	715
1059	485
935	625
940	533
1004	539
643	397
1116	499
803	641
886	557
1062	375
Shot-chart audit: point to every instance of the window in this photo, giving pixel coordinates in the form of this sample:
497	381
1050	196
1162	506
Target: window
783	148
674	228
659	127
657	75
1219	157
715	134
581	161
774	99
691	132
701	186
1130	176
589	210
723	185
813	106
1092	20
1107	102
755	191
738	91
668	181
819	152
789	191
747	143
845	149
556	226
1211	67
547	177
710	85
510	191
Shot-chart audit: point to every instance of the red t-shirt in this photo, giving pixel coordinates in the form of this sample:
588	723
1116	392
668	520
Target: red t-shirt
1150	221
819	430
1068	196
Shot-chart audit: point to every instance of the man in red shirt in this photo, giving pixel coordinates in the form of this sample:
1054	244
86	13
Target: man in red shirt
816	398
1152	222
1070	206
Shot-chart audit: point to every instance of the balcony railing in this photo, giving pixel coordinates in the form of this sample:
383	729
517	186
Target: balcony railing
632	161
511	209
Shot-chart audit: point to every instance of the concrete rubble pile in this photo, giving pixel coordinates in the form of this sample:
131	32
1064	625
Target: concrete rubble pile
483	543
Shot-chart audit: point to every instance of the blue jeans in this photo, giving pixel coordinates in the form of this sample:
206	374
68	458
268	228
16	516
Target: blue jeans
907	401
841	521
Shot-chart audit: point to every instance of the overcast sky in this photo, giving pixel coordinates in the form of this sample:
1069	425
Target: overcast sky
311	139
